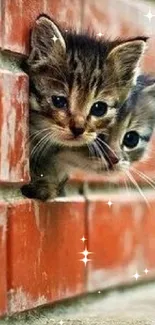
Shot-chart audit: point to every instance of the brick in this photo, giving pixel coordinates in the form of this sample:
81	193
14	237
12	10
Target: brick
115	239
123	19
3	272
43	249
0	23
67	12
13	127
149	237
20	15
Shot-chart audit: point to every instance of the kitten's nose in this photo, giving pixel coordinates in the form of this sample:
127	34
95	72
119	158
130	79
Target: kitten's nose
77	131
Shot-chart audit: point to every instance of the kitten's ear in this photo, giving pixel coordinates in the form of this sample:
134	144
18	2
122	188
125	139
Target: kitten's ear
46	41
123	62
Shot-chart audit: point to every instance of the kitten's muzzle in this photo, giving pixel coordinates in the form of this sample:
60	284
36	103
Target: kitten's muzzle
77	130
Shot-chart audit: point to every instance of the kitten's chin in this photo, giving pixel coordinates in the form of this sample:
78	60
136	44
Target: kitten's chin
71	141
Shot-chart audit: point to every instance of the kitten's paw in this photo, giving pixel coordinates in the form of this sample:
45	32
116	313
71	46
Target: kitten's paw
32	192
61	187
39	190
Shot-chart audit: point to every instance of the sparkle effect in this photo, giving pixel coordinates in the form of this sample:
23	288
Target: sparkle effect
99	292
85	260
146	271
109	203
136	276
83	239
149	15
41	175
54	38
61	322
100	34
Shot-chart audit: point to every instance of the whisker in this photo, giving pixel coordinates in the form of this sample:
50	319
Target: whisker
98	153
91	151
144	177
126	185
138	187
42	148
45	145
38	132
104	153
104	163
39	144
104	143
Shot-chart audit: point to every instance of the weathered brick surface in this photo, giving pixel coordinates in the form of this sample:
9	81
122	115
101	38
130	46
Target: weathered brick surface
116	240
20	15
13	127
118	18
0	23
43	251
3	256
149	236
43	241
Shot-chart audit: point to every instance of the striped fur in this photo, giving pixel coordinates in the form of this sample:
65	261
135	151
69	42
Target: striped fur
85	70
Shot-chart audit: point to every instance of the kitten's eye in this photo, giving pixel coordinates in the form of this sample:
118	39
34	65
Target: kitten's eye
99	109
60	102
131	139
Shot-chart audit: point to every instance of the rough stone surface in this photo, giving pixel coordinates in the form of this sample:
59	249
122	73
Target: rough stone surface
134	306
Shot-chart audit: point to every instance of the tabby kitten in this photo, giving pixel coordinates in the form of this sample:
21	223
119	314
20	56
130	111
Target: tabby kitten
77	83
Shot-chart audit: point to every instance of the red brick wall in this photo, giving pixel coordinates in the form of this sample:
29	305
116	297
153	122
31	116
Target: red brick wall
40	243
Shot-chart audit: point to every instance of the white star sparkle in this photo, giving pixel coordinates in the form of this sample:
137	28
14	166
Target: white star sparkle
41	175
61	322
99	292
54	38
149	15
146	271
110	203
85	260
100	34
86	252
83	239
136	276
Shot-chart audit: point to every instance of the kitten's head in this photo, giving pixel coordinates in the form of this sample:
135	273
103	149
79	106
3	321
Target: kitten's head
77	81
129	138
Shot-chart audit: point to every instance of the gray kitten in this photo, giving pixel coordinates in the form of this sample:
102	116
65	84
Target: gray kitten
77	84
129	138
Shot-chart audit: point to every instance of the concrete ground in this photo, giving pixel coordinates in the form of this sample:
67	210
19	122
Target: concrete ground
132	306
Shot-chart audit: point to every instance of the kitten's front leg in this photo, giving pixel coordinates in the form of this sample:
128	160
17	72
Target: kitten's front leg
43	189
40	189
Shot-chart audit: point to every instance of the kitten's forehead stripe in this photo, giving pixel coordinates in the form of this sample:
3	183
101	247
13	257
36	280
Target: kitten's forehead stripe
99	85
87	55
